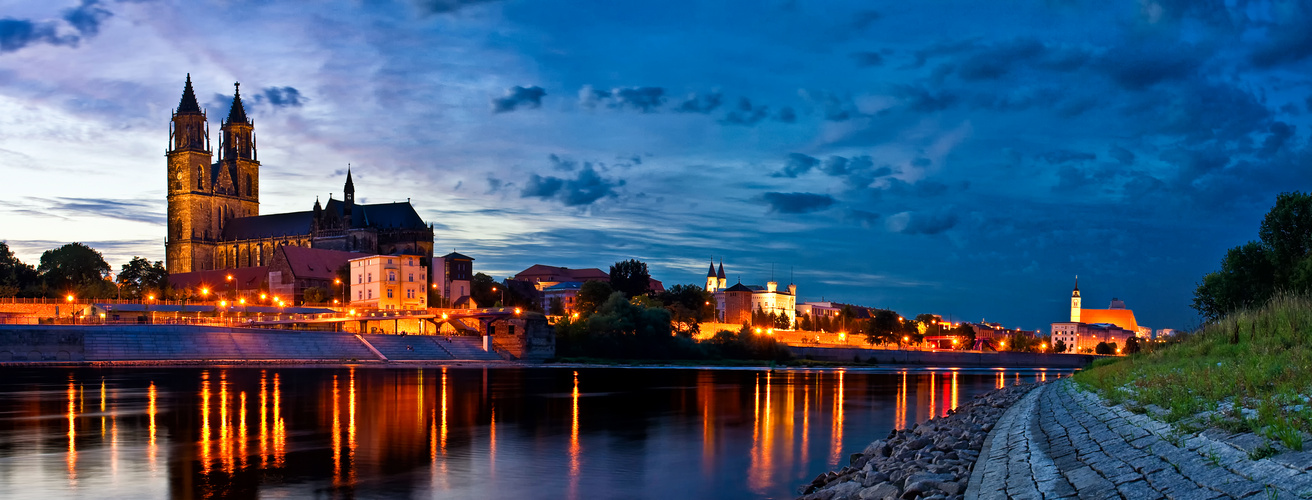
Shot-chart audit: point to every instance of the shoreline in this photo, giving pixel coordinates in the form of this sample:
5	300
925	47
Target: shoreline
309	363
935	459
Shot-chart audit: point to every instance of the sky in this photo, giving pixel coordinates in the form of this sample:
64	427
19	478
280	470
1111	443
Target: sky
963	158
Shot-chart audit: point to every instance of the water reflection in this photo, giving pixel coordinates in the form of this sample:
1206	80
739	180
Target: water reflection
452	432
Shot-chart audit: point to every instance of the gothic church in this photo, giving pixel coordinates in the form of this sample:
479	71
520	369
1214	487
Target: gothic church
214	219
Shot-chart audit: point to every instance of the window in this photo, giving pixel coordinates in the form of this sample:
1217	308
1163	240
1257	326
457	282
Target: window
359	295
412	276
371	277
371	293
359	278
389	293
391	276
389	261
409	293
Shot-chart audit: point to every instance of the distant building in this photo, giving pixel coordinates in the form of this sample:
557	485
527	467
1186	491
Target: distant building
736	304
294	269
1088	327
766	298
389	282
452	277
547	278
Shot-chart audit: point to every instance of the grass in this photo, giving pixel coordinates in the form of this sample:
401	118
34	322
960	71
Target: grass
1258	360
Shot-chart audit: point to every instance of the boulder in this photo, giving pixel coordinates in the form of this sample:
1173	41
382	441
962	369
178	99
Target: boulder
881	491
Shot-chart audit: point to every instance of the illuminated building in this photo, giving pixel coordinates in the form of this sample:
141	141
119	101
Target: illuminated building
388	282
768	298
1089	327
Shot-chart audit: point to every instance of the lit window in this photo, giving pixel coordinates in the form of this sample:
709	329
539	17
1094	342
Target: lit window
412	276
371	277
371	293
389	293
359	295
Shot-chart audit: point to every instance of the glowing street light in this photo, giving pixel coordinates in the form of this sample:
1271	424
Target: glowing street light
70	297
151	297
758	331
205	292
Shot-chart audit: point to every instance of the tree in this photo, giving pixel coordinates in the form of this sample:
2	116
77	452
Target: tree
689	305
139	278
1059	347
15	276
1131	345
591	295
556	308
480	289
630	277
314	295
74	266
884	327
1281	259
1104	348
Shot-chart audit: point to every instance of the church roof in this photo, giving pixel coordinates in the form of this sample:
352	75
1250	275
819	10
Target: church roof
238	112
711	272
188	103
539	272
739	288
268	226
381	215
1123	318
457	256
720	274
316	263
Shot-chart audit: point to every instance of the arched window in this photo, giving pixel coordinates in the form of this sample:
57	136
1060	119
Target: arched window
200	178
259	255
249	191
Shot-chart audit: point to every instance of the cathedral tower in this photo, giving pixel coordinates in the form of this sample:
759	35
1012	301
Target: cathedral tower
712	284
188	186
1075	302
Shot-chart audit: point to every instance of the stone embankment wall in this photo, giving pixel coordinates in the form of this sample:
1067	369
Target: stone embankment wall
944	358
206	343
930	460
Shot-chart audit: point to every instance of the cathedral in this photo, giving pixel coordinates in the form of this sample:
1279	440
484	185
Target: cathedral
214	219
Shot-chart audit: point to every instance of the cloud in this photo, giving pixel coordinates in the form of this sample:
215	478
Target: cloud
700	103
122	209
745	113
920	99
998	60
922	223
868	59
797	203
1136	67
786	115
833	107
864	218
1280	134
796	164
281	97
644	99
1060	156
863	19
1122	155
447	6
516	97
940	49
1289	44
86	18
586	188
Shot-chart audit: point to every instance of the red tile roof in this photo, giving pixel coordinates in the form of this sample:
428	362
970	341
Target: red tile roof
246	278
317	263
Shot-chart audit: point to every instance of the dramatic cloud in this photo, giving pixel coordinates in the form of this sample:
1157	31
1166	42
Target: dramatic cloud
644	99
281	97
700	103
517	97
584	189
796	164
922	100
85	19
797	203
746	114
923	223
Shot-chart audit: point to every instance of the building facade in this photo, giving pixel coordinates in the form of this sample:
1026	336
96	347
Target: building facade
389	282
1089	327
453	276
768	298
214	219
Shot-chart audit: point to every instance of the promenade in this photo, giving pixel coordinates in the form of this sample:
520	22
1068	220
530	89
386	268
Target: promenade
1062	442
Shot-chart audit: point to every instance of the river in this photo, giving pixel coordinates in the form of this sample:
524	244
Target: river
524	433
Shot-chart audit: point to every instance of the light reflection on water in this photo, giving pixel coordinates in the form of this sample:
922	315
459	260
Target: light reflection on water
455	432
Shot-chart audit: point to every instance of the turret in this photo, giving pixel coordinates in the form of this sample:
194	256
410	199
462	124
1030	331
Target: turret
712	284
1075	302
349	202
724	282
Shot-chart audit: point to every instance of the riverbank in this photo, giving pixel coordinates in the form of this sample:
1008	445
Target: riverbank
930	460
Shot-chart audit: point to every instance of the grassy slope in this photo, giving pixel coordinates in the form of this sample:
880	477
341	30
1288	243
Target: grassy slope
1250	371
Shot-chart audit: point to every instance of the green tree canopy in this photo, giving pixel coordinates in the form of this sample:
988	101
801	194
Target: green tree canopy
15	276
71	266
630	277
480	289
139	277
1250	274
591	295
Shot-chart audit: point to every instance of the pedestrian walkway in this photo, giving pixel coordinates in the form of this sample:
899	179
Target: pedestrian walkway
1062	442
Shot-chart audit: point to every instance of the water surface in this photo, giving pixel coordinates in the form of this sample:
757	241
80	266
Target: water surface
453	432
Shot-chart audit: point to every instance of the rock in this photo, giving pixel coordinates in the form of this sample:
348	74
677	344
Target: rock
881	491
918	443
951	488
914	489
931	478
874	478
845	489
873	448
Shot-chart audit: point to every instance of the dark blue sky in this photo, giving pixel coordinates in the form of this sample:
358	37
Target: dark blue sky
960	158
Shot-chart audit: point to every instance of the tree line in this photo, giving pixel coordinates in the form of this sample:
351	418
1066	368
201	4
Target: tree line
80	270
1280	260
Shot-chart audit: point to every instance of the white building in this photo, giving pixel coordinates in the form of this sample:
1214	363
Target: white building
389	282
768	298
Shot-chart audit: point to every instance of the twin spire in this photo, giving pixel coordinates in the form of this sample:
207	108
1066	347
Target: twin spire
189	104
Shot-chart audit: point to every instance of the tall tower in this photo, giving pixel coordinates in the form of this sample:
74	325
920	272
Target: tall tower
349	202
724	282
1075	302
188	243
712	284
238	175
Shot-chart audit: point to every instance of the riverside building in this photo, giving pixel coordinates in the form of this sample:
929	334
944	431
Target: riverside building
1089	327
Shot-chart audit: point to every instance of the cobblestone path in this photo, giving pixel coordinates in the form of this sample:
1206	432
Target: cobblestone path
1061	442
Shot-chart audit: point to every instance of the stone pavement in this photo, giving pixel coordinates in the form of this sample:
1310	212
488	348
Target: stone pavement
1062	442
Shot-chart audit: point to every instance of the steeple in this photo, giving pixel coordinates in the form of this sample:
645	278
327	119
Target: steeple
238	112
720	274
188	103
1076	293
711	272
349	194
1075	301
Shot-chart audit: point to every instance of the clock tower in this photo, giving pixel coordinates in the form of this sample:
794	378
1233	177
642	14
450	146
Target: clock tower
1075	302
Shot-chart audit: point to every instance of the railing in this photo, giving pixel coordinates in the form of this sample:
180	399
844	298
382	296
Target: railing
88	300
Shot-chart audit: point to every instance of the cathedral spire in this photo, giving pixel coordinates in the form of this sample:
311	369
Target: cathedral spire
238	112
188	103
711	272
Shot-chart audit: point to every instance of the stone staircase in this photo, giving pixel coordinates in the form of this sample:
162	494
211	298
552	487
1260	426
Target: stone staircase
199	343
422	347
462	347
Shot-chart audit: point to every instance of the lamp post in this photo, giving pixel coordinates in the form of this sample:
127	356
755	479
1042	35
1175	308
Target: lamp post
338	281
231	281
503	295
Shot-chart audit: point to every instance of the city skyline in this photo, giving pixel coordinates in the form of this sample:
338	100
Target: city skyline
971	169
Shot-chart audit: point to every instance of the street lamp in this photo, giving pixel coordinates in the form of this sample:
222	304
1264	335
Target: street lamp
338	281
